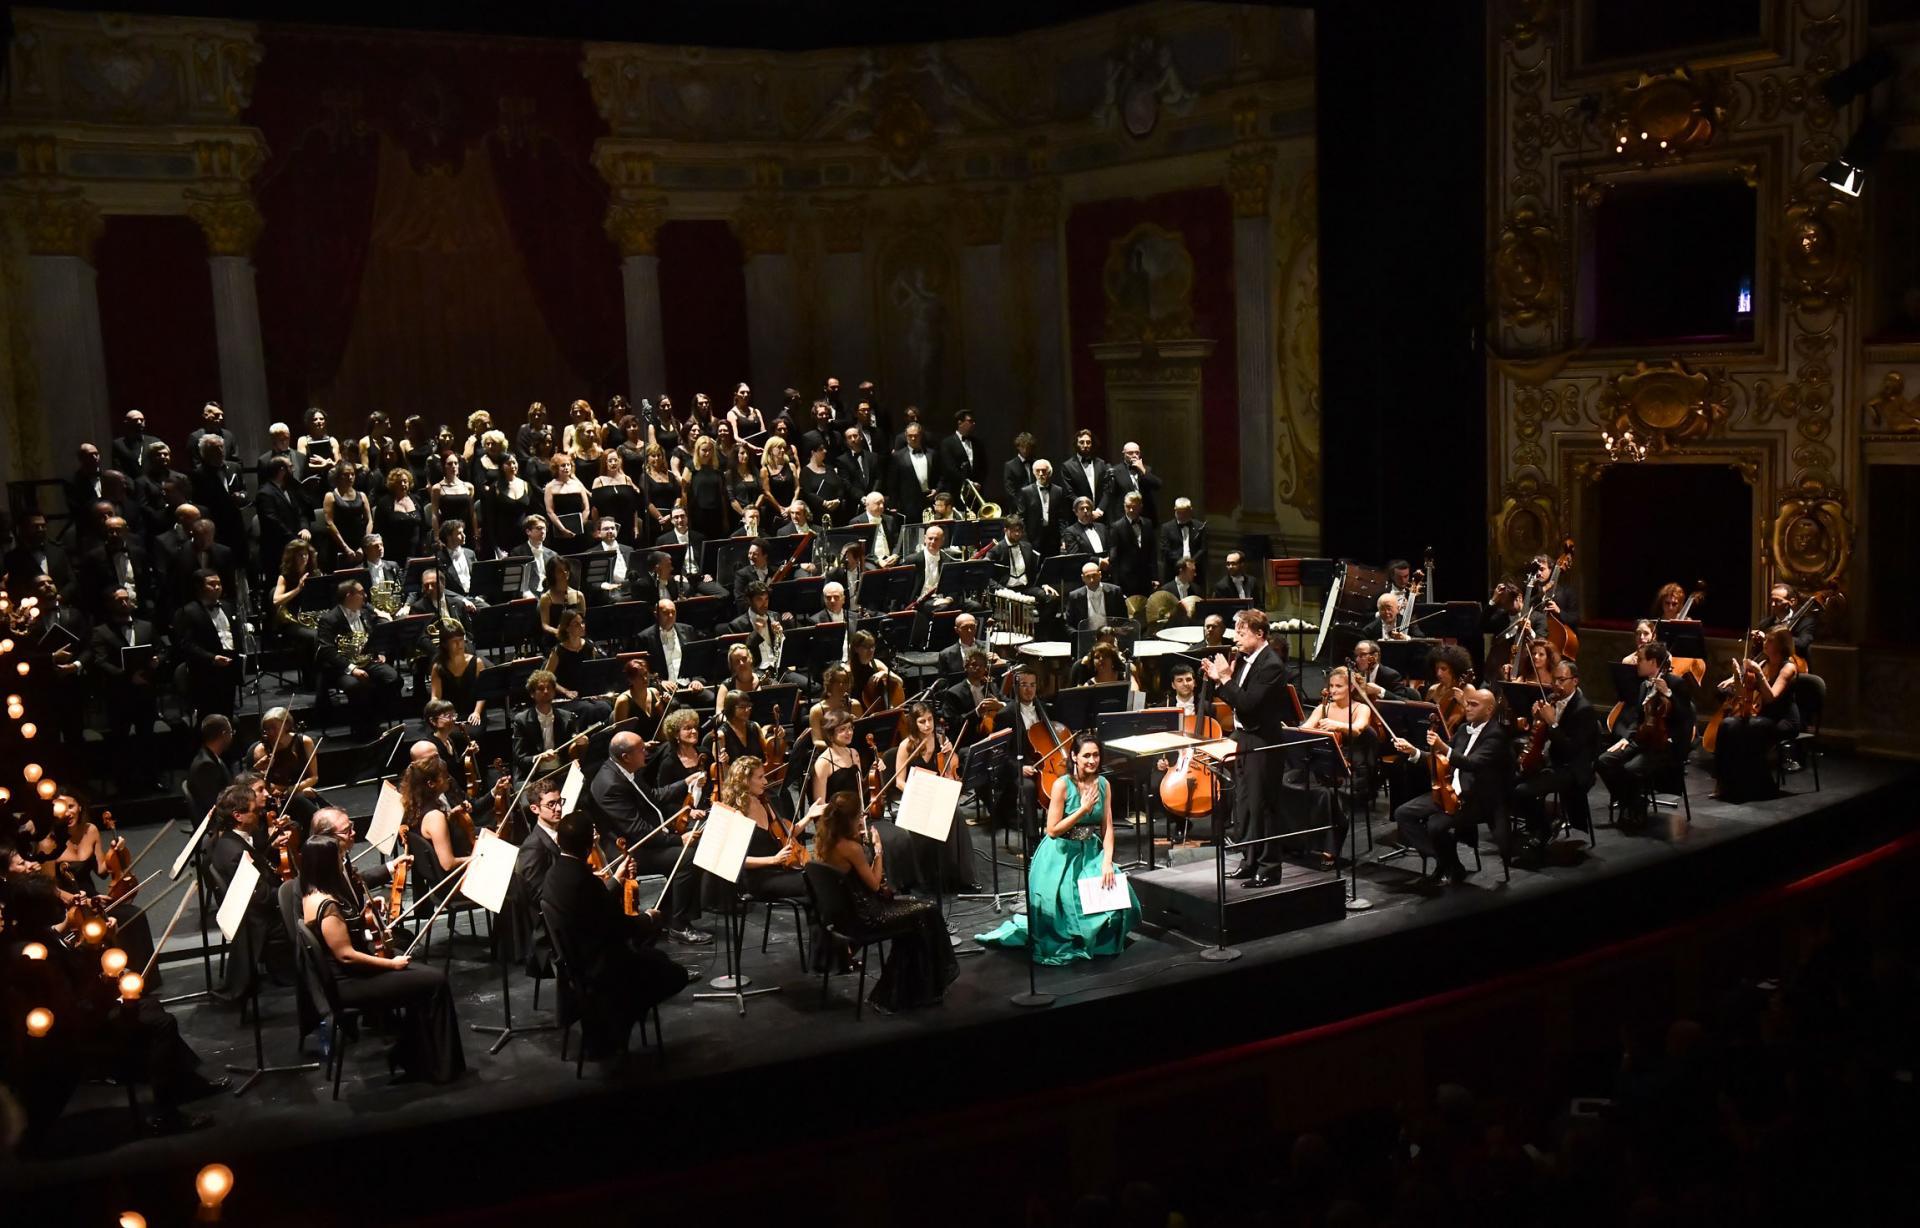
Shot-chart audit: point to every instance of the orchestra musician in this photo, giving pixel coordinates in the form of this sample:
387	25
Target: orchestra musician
240	833
1386	621
1477	762
1630	764
1355	727
624	807
1783	602
919	962
1237	583
666	647
209	773
1572	749
544	737
1044	508
372	686
927	563
1645	632
284	757
1095	603
929	748
971	702
1745	737
1377	681
1253	684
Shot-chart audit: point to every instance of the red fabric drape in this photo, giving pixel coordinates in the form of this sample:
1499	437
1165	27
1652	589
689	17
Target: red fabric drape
703	292
1204	219
156	322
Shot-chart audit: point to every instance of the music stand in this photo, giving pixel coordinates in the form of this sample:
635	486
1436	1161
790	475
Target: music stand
1078	706
810	647
981	766
677	553
500	580
506	682
885	588
416	568
702	611
1111	725
506	624
1684	637
1626	680
1408	719
393	638
619	622
787	697
1408	658
601	676
1062	571
729	553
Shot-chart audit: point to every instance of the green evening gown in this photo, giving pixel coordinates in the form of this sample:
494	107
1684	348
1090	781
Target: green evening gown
1062	932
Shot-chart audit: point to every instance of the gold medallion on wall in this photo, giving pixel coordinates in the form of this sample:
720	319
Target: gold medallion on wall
1526	266
1891	411
1812	536
1817	258
1667	404
1526	522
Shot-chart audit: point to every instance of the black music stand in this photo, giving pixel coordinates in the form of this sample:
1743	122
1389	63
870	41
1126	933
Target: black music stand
885	588
396	637
506	624
499	580
324	592
1062	571
811	647
416	568
619	622
1626	681
800	597
677	552
1684	637
702	612
789	700
506	683
980	766
724	555
601	676
1077	707
1110	725
1408	658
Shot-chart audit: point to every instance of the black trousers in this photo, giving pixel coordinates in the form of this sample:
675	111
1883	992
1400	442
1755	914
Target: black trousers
1740	756
372	697
1527	799
1425	826
657	856
1627	774
1256	806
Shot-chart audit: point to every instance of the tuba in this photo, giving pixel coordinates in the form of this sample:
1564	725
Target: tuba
975	505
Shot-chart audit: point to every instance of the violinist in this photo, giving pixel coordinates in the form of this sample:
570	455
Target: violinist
1542	656
544	737
737	733
429	1043
641	702
208	773
1632	762
971	704
1475	764
919	963
1767	716
836	768
1572	746
1783	603
284	757
455	746
1386	621
240	832
928	747
1644	632
331	821
424	789
1377	681
864	663
850	573
613	953
742	678
1452	671
1356	727
679	756
836	695
771	868
624	808
541	848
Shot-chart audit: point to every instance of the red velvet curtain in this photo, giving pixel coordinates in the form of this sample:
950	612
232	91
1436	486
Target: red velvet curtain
1204	219
325	99
703	293
156	322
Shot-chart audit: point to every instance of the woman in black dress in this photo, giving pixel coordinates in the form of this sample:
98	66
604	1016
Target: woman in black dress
504	506
429	1043
455	672
322	452
452	495
566	500
680	756
779	477
926	747
920	963
398	518
346	514
589	454
416	447
706	492
748	423
660	488
572	650
744	488
1740	768
614	495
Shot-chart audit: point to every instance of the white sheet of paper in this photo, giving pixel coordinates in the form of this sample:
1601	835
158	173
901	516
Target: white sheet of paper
384	829
570	787
723	843
1096	899
233	909
186	850
927	803
491	872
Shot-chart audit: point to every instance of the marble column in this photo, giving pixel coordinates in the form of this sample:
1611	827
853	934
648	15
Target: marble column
232	224
1049	414
1249	175
983	290
773	318
634	224
844	297
68	352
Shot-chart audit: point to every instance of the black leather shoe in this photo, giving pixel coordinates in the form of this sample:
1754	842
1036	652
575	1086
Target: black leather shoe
1263	880
692	937
1457	876
202	1088
1243	870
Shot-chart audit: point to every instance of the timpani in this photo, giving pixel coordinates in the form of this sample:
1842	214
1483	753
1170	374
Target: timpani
1048	658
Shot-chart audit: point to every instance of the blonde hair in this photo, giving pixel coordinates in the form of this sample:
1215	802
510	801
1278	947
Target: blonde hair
776	442
479	422
492	437
677	720
705	453
733	790
399	480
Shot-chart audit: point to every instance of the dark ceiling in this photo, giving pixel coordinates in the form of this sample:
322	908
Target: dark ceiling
787	25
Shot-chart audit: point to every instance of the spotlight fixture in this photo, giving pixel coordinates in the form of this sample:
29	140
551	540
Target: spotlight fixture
1848	173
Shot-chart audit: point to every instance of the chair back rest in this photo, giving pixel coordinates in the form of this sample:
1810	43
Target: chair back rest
563	957
316	962
1810	696
832	897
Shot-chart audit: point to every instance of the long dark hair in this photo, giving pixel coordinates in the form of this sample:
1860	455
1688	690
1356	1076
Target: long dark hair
419	790
839	821
320	868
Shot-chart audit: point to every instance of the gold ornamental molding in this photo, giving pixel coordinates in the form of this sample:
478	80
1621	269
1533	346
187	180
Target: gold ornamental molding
1811	538
1891	411
1665	116
1822	239
843	223
1527	521
633	223
229	160
59	223
1526	266
762	225
232	224
1037	211
981	216
1250	180
1667	404
114	68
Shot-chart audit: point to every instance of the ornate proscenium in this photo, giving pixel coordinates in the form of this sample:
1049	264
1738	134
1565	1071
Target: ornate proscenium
1665	115
1891	410
1812	537
1818	257
1661	406
1526	266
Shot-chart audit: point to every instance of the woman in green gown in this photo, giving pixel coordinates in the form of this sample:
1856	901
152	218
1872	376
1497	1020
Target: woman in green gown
1078	845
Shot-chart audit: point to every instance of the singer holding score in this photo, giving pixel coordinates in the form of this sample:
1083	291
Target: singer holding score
1254	684
1079	813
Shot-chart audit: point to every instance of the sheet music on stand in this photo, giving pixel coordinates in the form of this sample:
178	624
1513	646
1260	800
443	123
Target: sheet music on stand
233	906
722	846
490	873
193	842
927	804
383	831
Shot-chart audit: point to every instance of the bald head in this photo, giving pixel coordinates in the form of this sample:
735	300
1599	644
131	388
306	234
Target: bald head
629	749
332	821
1479	701
422	752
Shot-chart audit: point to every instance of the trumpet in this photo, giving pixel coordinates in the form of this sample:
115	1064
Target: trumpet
974	505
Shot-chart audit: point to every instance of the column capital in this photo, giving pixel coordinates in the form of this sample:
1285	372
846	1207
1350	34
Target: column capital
232	224
982	215
1250	178
843	222
623	168
62	222
762	225
633	223
1038	210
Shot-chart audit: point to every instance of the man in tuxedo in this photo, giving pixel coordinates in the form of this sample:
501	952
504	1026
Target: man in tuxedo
1237	583
165	550
1183	537
34	555
1016	472
1132	476
1253	684
1086	535
884	547
966	638
541	848
128	695
608	952
1385	624
1479	761
666	647
680	532
1133	542
1085	474
533	580
911	476
220	492
372	685
660	581
455	562
961	458
433	598
967	702
623	807
820	432
1184	584
1016	564
157	489
766	634
1095	604
130	446
279	514
206	644
928	562
619	584
280	447
545	738
118	562
1377	680
208	773
754	572
1629	766
212	423
379	568
1573	747
240	834
84	486
857	465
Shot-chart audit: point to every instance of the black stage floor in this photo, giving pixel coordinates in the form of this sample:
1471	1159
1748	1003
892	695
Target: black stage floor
1135	1010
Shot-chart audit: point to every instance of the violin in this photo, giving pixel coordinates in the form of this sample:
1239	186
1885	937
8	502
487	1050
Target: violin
397	886
1652	733
462	816
1534	757
787	833
118	862
629	885
946	758
773	741
1452	707
876	774
1443	790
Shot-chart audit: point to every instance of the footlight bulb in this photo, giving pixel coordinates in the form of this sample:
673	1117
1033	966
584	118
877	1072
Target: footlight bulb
39	1021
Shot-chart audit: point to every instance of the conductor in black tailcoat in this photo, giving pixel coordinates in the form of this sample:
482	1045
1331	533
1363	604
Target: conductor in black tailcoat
1253	683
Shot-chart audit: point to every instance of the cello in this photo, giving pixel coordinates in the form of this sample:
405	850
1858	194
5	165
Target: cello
1189	790
1049	739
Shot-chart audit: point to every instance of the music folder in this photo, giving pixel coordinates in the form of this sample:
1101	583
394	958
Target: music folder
136	657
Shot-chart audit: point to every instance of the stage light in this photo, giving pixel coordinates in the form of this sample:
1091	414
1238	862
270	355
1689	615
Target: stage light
94	932
29	731
132	1219
1848	173
15	712
6	646
46	789
113	962
59	808
39	1021
34	950
23	669
6	795
213	1185
31	772
13	701
131	987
